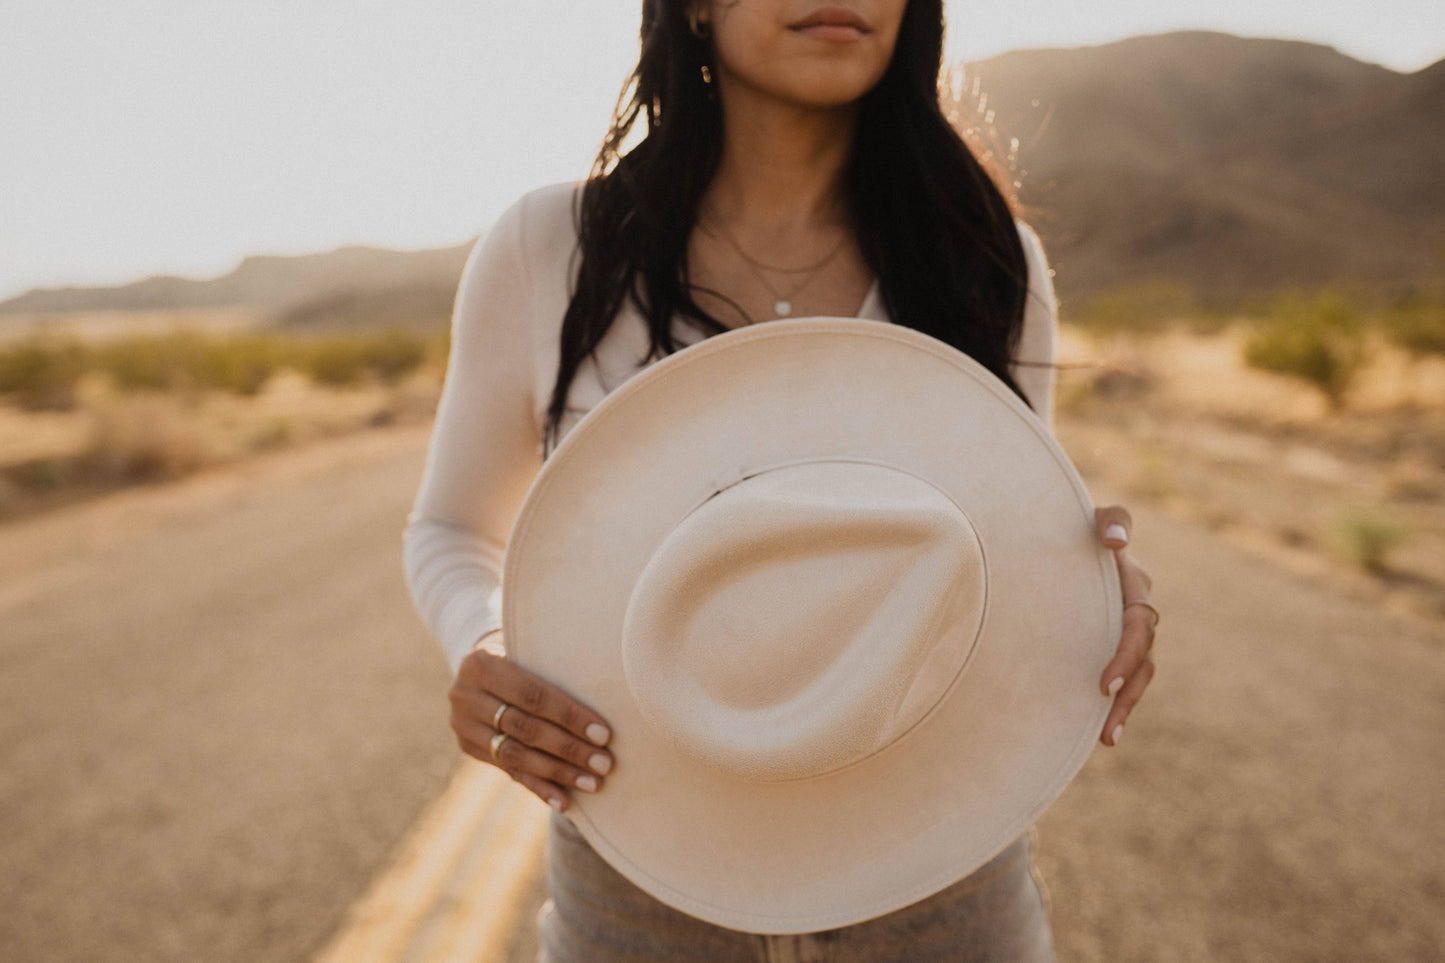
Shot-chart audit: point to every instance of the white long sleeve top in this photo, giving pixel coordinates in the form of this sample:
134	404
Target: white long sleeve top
486	444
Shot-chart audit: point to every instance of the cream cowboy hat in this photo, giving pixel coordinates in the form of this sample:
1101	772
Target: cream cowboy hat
838	593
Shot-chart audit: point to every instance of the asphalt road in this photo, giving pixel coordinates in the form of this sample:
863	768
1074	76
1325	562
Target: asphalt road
220	710
221	715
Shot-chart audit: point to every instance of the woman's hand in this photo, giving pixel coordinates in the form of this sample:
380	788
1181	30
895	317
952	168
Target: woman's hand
1129	672
553	740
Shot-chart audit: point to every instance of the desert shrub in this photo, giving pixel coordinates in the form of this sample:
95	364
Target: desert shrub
337	360
1320	340
155	362
438	343
346	359
240	364
1141	307
41	372
441	343
393	353
1366	538
1417	324
188	359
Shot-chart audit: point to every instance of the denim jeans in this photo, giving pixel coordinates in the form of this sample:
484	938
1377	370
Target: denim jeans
998	914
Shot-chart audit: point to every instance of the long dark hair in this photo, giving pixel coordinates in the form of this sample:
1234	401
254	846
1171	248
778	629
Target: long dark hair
931	222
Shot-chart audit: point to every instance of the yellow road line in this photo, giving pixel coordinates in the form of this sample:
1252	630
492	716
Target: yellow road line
487	906
456	888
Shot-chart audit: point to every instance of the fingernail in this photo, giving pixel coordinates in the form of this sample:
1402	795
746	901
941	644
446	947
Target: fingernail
598	733
588	783
1116	685
1117	532
600	762
1118	731
555	803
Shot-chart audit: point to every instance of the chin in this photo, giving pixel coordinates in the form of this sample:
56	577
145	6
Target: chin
825	86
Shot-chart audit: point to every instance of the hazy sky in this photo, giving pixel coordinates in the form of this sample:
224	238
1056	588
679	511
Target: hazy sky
176	136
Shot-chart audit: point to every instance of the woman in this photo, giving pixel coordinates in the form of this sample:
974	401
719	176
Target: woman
795	163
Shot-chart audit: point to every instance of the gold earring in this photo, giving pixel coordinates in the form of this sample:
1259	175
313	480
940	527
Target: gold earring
706	74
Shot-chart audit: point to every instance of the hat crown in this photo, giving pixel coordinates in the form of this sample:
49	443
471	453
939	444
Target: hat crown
804	618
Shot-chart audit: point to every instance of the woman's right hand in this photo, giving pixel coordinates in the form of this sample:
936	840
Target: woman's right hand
555	740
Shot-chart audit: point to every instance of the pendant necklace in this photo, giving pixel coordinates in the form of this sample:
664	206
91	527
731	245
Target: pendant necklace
782	300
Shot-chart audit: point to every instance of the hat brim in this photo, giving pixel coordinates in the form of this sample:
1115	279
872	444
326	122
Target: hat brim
934	805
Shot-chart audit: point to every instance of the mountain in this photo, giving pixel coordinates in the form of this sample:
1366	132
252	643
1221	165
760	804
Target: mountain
1228	165
290	289
1232	165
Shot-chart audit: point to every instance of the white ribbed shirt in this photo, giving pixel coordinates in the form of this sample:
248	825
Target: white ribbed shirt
486	444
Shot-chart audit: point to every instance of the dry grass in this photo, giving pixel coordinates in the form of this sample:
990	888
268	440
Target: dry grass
112	438
96	401
42	371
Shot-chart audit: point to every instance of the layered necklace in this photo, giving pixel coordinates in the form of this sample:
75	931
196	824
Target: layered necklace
782	299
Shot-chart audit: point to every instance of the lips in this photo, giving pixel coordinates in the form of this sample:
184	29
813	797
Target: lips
828	21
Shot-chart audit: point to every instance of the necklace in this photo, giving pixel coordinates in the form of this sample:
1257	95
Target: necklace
782	301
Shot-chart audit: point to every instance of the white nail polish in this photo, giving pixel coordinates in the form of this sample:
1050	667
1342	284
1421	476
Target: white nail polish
600	763
1116	531
1118	731
588	783
598	733
555	803
1116	685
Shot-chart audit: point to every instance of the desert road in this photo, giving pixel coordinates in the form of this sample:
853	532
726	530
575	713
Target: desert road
221	717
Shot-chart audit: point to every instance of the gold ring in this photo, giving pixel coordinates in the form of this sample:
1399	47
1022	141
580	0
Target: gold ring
1148	605
497	716
497	741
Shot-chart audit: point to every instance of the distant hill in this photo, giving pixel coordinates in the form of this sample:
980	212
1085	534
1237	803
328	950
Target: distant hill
310	289
1230	165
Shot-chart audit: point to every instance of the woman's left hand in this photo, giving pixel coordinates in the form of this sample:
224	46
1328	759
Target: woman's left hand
1129	672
